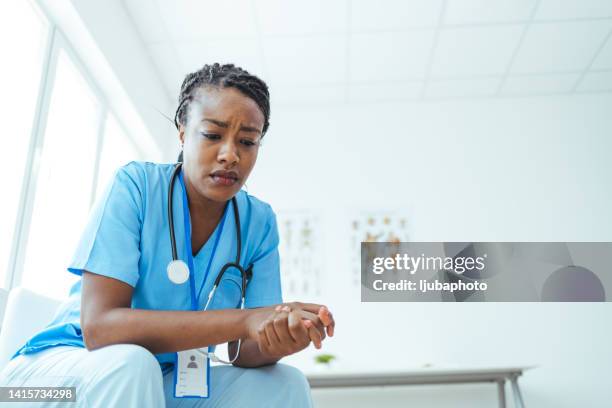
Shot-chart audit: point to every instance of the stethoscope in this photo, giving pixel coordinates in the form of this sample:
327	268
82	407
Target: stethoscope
179	272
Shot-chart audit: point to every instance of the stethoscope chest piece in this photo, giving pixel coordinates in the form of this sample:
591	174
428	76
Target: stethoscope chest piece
178	271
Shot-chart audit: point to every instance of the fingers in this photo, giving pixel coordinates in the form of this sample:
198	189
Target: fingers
313	331
283	333
298	331
291	327
309	307
322	312
314	334
327	319
315	320
304	330
281	328
324	315
269	341
301	334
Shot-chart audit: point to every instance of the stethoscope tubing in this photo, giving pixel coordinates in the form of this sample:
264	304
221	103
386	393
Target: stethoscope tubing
236	264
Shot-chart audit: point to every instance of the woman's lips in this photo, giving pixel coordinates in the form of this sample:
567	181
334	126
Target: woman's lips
223	180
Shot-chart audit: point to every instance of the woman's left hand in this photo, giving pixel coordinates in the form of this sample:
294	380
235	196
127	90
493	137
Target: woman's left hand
282	333
324	318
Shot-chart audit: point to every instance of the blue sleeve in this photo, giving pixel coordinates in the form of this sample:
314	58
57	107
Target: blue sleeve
264	289
110	244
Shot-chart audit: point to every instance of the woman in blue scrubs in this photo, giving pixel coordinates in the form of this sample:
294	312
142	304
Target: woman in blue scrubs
115	339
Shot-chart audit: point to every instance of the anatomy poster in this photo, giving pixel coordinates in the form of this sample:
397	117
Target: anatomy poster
300	254
379	226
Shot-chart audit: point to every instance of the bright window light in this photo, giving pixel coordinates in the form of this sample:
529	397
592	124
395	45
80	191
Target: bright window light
65	182
117	150
22	35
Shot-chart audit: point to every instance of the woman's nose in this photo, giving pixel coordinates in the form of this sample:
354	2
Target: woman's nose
228	153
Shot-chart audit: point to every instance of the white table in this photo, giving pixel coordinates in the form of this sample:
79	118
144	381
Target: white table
428	375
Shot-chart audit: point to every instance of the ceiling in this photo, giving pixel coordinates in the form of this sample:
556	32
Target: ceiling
359	51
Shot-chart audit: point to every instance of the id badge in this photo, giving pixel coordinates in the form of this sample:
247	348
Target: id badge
191	374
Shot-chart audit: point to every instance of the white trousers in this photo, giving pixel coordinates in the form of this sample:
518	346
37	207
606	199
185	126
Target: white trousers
127	375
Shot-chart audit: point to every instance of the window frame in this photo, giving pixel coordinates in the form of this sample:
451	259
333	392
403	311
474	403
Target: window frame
55	43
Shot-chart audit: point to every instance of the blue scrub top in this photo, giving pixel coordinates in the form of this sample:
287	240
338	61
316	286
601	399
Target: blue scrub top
127	238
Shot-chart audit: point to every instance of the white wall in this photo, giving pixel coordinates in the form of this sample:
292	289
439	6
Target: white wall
534	169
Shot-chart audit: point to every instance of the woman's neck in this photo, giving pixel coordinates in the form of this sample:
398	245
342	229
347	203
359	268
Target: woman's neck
205	214
202	208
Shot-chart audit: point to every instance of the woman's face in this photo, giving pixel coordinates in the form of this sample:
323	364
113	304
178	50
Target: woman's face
220	141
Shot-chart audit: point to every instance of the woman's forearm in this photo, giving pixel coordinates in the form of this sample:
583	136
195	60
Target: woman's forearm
166	331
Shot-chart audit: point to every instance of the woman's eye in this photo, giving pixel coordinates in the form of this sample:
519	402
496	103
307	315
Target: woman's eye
247	142
211	136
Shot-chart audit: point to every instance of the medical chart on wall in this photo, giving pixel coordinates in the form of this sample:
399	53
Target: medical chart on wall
300	253
374	226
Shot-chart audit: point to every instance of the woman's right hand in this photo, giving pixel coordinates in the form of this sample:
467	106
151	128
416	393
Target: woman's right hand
288	328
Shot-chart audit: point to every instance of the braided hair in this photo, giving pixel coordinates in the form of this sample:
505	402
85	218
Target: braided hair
222	76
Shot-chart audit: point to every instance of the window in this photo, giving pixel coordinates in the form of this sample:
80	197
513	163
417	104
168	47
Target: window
64	185
117	150
60	147
19	80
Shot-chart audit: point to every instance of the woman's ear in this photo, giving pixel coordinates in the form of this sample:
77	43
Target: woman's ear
182	140
182	134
